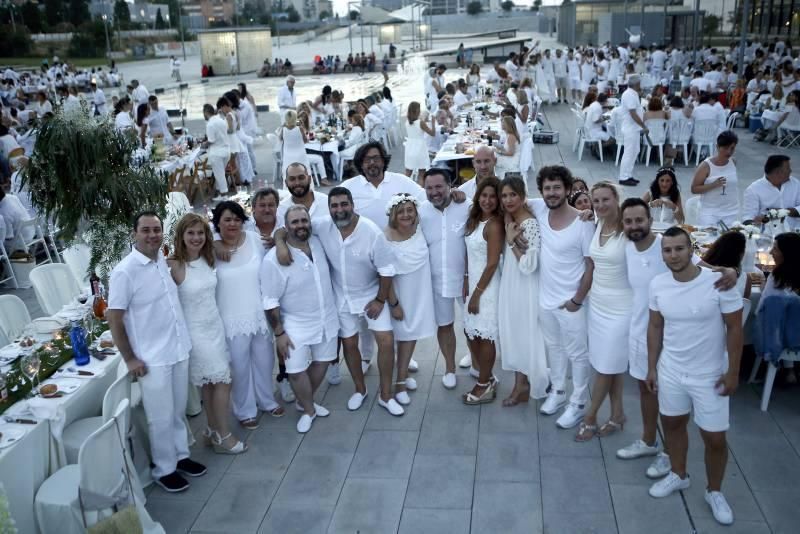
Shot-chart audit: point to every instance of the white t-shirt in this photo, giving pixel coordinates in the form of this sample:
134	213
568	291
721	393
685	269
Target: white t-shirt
630	101
562	257
694	331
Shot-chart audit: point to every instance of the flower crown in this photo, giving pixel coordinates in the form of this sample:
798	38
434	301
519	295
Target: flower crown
399	198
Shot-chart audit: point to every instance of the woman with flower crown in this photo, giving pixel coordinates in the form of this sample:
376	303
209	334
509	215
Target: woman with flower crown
411	298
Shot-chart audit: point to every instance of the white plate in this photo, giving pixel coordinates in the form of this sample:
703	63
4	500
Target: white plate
66	385
11	435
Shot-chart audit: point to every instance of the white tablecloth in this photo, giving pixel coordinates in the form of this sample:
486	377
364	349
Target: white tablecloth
25	465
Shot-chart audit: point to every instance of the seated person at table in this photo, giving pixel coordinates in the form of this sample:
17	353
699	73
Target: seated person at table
664	193
776	189
461	98
508	153
441	131
655	109
595	123
14	214
355	138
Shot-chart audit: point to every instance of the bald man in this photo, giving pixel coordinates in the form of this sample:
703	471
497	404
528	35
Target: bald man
483	161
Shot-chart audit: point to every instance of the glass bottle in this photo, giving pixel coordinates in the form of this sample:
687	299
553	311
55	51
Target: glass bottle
77	337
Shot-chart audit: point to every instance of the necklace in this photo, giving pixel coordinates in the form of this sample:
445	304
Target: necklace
608	235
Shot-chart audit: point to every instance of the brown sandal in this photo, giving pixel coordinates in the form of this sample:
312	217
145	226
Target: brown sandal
513	400
277	412
586	432
609	427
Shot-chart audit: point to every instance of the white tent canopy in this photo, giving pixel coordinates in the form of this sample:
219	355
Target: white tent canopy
376	15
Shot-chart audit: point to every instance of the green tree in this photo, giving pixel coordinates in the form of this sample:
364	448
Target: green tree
89	40
324	15
710	26
294	16
474	8
353	14
538	4
78	11
53	12
160	24
175	12
507	6
32	17
15	42
122	15
251	12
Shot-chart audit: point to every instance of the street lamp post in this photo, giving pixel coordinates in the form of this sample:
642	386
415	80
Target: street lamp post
743	39
108	41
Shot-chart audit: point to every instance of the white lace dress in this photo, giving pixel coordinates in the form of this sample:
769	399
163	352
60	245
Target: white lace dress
238	290
483	324
414	289
521	341
209	360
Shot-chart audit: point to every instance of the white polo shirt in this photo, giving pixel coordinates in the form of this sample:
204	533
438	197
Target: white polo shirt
356	262
370	201
318	209
153	318
630	101
444	233
761	195
304	293
158	122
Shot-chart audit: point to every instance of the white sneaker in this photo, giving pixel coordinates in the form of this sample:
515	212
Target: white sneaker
286	390
571	416
321	410
660	467
554	401
719	507
333	374
356	400
465	362
669	484
304	424
449	381
411	384
474	373
391	406
413	366
364	366
637	449
403	398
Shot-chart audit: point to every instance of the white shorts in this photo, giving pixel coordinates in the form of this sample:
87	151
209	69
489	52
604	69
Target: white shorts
444	308
679	394
561	82
301	356
637	358
575	84
349	323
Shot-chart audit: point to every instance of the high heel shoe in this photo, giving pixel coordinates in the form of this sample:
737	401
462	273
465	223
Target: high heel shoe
513	400
488	395
609	427
208	436
219	448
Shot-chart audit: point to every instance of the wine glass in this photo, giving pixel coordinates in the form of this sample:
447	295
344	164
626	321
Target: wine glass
83	296
30	368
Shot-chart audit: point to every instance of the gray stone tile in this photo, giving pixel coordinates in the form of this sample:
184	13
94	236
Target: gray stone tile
339	433
508	457
177	517
580	523
441	481
449	400
419	520
579	481
411	420
767	463
369	505
781	510
637	512
238	504
384	454
296	519
710	526
554	441
520	418
200	488
449	433
734	487
508	507
314	480
269	453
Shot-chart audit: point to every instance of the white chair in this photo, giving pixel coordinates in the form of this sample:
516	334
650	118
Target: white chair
691	209
658	137
772	370
77	258
586	137
345	156
317	167
526	155
788	134
580	119
6	263
730	123
276	157
76	433
32	227
679	133
54	285
14	317
80	495
704	134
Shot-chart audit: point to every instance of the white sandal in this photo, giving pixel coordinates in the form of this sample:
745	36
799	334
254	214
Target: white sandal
219	448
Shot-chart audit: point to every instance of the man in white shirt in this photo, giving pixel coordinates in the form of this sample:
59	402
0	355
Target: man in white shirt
158	121
216	142
560	71
149	330
705	111
286	97
234	63
301	310
565	276
42	105
574	73
658	59
140	94
483	162
72	103
14	214
298	183
549	75
694	345
632	127
624	53
175	68
702	84
461	98
443	221
776	189
99	100
511	67
594	119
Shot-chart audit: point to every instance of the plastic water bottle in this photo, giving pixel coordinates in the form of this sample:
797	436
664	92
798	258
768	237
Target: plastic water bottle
77	336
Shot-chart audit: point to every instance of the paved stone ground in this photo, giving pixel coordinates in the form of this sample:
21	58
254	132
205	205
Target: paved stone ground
446	467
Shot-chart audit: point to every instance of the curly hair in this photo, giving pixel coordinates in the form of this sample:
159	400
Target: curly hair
361	153
554	172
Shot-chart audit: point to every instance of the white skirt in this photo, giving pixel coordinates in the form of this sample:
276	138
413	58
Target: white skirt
415	293
608	339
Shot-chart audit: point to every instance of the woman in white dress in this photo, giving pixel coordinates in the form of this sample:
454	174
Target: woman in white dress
355	138
508	154
609	314
411	298
293	149
225	111
521	341
246	331
142	112
484	240
473	80
664	198
122	114
243	162
192	268
716	182
416	152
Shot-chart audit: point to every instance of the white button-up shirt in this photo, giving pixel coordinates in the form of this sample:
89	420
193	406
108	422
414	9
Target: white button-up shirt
370	201
356	262
217	134
304	293
158	122
286	99
140	94
761	195
153	319
444	233
317	211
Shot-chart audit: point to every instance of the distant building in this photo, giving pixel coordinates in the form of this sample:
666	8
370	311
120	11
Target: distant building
146	13
204	13
325	6
308	9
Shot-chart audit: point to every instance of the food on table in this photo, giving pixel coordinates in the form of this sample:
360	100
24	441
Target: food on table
48	390
106	343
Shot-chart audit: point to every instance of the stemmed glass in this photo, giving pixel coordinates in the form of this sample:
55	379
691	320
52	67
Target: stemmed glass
30	368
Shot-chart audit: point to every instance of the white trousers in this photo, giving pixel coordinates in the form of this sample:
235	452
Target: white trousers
164	391
252	360
565	337
630	151
218	168
251	153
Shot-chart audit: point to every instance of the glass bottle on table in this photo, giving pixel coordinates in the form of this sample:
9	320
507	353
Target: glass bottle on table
99	304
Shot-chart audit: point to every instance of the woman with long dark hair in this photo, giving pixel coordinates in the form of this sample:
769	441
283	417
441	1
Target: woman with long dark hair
142	112
728	251
665	194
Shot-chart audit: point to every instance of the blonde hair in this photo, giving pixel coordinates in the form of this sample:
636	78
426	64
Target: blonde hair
179	247
290	119
522	97
605	184
510	126
413	112
358	119
396	208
